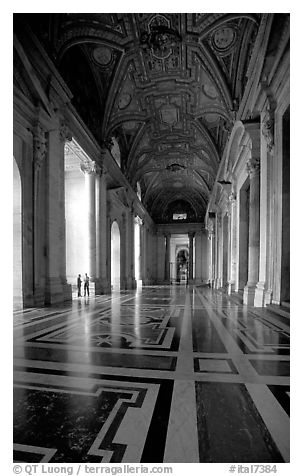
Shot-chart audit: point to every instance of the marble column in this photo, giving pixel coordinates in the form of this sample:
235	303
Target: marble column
123	252
142	252
90	170
39	215
191	257
102	283
253	166
263	291
232	252
218	234
131	283
57	289
198	258
211	225
167	259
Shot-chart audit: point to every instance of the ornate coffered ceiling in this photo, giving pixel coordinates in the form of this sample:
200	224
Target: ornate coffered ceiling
167	86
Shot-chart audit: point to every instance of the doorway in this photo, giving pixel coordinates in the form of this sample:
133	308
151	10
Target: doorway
182	266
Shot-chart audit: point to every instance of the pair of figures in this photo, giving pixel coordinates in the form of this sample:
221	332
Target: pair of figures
86	285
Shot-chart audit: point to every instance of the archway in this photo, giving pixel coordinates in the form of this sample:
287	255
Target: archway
115	257
17	238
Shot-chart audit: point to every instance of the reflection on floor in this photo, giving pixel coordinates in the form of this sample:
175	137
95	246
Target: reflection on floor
169	374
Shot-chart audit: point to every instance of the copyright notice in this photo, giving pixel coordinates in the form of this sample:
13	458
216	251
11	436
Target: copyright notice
80	469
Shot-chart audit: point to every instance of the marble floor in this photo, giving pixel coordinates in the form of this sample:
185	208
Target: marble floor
169	374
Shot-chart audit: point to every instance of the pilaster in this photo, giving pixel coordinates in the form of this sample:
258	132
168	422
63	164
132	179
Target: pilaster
253	167
191	257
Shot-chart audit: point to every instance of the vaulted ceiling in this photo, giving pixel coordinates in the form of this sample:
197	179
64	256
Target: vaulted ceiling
166	86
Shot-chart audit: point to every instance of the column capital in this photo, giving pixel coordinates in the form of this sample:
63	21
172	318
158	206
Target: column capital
268	126
232	198
253	166
65	133
39	145
88	167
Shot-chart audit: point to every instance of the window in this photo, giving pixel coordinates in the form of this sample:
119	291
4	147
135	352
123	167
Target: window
179	216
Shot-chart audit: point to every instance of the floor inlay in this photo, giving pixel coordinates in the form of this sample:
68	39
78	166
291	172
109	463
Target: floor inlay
166	374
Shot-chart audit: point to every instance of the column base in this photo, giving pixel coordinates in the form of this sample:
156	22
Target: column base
131	283
54	293
67	291
249	294
259	300
123	284
231	287
268	297
38	299
101	287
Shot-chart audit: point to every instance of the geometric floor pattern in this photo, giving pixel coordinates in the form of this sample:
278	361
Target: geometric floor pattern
169	374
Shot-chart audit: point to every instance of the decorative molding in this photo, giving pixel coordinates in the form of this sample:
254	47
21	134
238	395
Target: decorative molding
232	198
253	165
65	133
89	167
268	122
39	146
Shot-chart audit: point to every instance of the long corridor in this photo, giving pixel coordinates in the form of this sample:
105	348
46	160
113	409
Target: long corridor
167	374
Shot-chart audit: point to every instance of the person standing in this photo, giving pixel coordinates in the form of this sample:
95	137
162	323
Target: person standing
86	285
79	285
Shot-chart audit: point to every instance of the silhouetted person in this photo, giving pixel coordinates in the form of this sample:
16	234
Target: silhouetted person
79	285
86	285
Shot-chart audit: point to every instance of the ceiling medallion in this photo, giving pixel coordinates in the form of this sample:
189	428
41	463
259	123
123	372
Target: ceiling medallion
160	37
124	101
210	91
224	38
102	55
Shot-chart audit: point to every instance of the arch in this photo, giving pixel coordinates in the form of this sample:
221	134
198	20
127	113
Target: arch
234	146
115	256
17	239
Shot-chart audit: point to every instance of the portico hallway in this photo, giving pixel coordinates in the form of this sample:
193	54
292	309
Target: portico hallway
166	374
